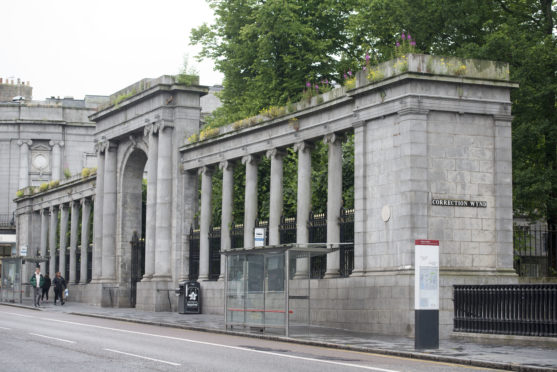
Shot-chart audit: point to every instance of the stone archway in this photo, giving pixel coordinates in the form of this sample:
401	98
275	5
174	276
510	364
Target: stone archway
132	222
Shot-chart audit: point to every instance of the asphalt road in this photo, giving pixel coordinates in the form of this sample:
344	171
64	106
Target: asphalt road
45	341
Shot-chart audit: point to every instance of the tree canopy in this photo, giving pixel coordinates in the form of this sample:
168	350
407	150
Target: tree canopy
268	49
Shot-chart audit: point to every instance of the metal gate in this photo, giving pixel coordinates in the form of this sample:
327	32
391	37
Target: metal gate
137	265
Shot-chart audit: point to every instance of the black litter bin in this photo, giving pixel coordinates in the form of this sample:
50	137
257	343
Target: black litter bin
189	300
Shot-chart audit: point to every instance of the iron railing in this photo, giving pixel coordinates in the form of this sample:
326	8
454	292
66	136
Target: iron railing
237	235
518	309
535	251
194	254
214	253
317	229
287	230
7	220
346	236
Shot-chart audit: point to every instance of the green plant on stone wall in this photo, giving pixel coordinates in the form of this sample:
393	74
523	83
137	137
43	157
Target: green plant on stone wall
85	172
44	186
193	138
67	173
53	184
19	193
350	83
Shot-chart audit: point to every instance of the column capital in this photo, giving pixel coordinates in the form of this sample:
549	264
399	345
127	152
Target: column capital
56	143
24	142
150	129
205	170
275	153
303	146
227	165
358	123
165	124
333	138
101	145
43	211
86	201
63	206
251	159
52	208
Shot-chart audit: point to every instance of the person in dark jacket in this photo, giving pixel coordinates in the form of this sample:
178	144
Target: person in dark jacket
46	287
37	282
59	287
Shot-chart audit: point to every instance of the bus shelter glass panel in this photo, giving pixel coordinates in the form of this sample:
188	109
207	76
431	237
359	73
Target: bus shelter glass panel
255	291
299	316
11	280
268	289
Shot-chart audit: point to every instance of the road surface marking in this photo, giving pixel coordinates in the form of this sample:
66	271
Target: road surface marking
7	329
213	344
53	338
143	357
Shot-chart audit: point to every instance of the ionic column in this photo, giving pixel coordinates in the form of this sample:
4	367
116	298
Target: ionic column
360	217
74	205
205	221
52	240
85	216
44	237
164	203
63	244
275	195
24	162
56	159
226	218
151	213
250	200
98	215
109	214
304	205
334	201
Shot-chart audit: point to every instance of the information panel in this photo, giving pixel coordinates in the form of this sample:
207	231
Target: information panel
426	280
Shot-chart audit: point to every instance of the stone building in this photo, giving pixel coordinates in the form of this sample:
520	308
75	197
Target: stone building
40	141
432	154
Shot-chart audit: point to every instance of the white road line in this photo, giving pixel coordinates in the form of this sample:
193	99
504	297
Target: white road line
53	338
212	344
143	357
7	329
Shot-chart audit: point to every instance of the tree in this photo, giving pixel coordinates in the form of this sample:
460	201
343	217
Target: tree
268	49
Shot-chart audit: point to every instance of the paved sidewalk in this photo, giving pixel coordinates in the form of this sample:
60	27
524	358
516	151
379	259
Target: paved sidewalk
522	356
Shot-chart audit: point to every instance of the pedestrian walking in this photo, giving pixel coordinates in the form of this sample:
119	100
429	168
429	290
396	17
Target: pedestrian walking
46	287
37	282
59	286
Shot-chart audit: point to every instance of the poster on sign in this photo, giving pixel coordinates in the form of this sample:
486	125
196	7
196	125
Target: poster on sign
426	281
259	233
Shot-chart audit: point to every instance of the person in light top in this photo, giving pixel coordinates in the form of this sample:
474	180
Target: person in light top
37	282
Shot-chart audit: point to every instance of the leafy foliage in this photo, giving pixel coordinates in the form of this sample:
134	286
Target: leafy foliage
268	50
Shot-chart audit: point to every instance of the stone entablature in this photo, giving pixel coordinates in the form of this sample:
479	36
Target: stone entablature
148	99
69	190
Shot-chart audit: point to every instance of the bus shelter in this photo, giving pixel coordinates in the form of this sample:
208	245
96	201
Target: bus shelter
268	289
13	280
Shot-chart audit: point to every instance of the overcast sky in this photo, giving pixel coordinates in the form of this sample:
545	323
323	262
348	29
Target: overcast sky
79	47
